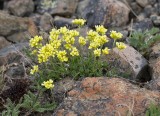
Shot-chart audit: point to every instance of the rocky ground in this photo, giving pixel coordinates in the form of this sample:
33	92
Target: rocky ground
22	19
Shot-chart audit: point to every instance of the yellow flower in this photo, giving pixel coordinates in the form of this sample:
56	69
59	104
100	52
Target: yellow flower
48	84
34	69
34	42
34	52
91	35
54	34
82	41
100	29
74	52
73	33
63	30
105	50
45	52
79	22
116	35
61	55
120	45
68	46
97	52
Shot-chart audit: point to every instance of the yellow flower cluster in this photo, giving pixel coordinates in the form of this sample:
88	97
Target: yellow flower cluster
82	41
48	84
120	45
62	45
34	69
100	29
79	22
61	55
116	35
35	42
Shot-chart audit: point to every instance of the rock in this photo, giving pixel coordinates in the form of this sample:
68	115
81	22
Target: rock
15	71
152	2
46	22
61	88
143	25
142	3
154	60
157	6
11	53
148	10
3	42
136	8
141	16
19	37
61	22
107	97
11	24
155	19
154	63
57	7
20	7
129	63
106	12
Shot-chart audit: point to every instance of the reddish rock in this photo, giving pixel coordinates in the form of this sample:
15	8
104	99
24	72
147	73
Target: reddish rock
107	97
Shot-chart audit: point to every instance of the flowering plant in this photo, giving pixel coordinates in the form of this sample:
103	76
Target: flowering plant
61	56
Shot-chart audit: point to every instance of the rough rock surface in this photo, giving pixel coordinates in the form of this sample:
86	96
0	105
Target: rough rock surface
106	12
3	42
106	97
11	24
131	62
46	22
20	7
57	7
11	53
61	21
142	3
154	63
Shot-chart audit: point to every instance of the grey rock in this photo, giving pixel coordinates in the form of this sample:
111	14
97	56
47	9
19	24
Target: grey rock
131	62
152	2
11	53
19	37
11	24
148	10
143	25
20	7
142	3
136	8
16	71
155	19
46	22
61	22
62	87
106	12
3	42
57	7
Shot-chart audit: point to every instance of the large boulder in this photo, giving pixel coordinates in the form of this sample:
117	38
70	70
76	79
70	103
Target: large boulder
57	7
20	7
107	97
106	12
